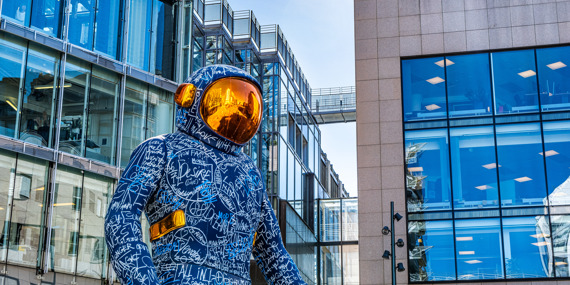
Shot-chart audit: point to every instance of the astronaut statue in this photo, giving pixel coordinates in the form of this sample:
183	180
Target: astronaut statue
204	199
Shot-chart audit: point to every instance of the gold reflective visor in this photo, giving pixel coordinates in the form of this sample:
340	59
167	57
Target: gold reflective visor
232	107
171	222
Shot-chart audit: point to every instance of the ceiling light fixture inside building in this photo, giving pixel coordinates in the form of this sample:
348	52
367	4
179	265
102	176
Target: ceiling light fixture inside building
464	238
556	65
490	165
40	87
435	80
475	261
483	187
447	62
542	243
416	169
432	107
528	73
12	105
540	236
466	252
523	179
549	153
559	263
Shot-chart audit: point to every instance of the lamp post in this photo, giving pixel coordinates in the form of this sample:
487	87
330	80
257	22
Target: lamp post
400	243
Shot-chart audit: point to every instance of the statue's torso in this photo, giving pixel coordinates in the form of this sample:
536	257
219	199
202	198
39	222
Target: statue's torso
221	197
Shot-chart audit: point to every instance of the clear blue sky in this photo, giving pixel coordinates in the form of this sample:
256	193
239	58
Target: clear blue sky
321	35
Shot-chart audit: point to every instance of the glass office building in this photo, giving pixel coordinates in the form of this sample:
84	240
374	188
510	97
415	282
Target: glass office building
82	83
487	142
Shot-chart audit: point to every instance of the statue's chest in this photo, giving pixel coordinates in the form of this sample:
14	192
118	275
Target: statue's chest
220	194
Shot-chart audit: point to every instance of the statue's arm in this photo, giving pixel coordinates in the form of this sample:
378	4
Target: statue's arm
130	256
270	253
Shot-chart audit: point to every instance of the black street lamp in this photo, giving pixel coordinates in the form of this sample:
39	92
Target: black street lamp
400	243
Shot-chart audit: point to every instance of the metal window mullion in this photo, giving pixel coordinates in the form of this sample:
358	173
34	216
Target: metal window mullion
21	90
78	216
126	68
85	114
7	222
51	189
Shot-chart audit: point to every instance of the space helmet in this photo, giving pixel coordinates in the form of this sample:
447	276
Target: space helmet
220	105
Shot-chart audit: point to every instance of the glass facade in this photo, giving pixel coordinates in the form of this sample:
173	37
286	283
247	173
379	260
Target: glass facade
486	174
82	83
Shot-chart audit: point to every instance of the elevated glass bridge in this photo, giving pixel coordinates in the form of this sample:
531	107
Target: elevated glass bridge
334	105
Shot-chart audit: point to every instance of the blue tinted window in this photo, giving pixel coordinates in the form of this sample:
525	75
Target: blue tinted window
560	233
557	156
427	173
478	249
82	13
521	164
514	82
12	57
424	88
430	245
139	33
474	167
527	241
46	16
468	85
554	75
17	11
107	27
162	41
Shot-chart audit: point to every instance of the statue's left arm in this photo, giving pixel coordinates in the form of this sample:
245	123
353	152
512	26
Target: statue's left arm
130	256
270	253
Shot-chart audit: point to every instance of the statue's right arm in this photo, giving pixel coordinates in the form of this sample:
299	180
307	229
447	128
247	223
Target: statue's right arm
130	256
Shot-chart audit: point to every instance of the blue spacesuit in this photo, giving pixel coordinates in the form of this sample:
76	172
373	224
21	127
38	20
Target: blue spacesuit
204	199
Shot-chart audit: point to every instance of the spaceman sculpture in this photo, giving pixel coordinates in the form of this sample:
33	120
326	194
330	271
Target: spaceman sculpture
204	199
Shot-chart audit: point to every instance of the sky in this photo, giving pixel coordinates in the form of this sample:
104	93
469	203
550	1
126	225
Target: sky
321	36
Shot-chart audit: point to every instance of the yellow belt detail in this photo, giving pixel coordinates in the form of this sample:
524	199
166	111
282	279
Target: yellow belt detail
171	222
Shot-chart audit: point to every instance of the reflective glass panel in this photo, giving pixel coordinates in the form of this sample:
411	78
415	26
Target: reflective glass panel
38	98
134	118
140	18
350	265
473	167
468	85
46	16
521	165
331	265
427	173
71	138
290	176
282	169
553	71
102	115
478	249
162	40
561	244
8	167
330	216
92	257
349	219
527	247
430	246
160	112
65	220
514	82
82	14
25	234
12	55
424	89
108	27
18	11
213	12
557	156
